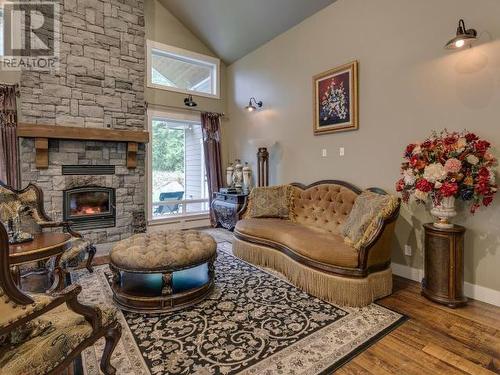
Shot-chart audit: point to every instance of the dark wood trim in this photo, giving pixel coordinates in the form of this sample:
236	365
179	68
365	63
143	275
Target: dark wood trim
328	182
362	270
319	266
77	133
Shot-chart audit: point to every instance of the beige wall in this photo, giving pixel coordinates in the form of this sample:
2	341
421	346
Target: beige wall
409	85
163	27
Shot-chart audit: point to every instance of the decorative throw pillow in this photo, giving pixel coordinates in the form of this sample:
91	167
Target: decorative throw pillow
273	201
363	219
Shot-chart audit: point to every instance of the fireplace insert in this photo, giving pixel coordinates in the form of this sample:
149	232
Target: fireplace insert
90	207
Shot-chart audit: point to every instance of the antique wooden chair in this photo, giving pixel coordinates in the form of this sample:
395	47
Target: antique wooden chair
44	333
35	219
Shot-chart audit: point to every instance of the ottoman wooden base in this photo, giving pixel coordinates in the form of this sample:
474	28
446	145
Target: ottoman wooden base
132	293
134	303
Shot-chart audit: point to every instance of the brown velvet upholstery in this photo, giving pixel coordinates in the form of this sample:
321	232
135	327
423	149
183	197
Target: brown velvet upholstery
326	206
313	243
310	250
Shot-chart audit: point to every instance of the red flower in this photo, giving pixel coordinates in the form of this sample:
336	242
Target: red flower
487	200
448	189
481	146
450	140
410	148
400	185
483	188
470	137
423	185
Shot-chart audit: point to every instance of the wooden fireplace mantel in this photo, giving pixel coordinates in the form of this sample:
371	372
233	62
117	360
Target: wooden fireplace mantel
42	133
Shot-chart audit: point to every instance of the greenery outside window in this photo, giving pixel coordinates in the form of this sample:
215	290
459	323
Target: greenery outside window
177	179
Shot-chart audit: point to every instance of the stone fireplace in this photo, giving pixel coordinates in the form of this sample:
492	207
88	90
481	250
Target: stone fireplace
99	85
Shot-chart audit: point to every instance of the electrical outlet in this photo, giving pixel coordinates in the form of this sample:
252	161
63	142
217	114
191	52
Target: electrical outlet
408	250
324	153
341	151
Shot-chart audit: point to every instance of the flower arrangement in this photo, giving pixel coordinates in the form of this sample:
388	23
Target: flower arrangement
449	164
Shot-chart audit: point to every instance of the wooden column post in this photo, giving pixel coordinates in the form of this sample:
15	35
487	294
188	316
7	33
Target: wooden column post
132	148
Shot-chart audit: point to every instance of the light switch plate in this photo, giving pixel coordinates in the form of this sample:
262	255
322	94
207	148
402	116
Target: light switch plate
341	151
408	250
324	153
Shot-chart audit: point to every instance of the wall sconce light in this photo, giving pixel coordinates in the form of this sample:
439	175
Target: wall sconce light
464	37
189	102
253	107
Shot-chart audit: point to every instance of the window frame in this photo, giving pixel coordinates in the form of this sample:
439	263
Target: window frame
153	114
186	56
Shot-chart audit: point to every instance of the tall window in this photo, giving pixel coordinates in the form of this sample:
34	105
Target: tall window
176	69
177	179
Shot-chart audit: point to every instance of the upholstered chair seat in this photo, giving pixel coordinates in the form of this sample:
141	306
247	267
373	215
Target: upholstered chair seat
62	331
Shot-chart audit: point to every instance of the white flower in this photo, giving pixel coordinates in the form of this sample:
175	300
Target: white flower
438	185
434	172
472	159
417	150
422	195
409	178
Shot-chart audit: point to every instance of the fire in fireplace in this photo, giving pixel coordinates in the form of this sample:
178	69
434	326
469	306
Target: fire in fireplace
90	207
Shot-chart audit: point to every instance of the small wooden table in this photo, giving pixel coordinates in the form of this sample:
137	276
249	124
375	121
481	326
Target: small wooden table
444	265
43	246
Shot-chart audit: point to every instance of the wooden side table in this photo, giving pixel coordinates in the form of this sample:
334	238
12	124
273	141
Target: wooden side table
43	246
227	208
444	265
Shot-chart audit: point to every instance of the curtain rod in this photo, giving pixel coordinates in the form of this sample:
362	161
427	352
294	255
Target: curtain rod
180	108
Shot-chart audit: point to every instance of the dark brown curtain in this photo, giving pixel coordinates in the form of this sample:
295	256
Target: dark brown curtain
9	168
210	124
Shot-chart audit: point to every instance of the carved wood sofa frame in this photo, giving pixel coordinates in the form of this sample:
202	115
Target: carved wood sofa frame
111	332
353	286
50	223
367	254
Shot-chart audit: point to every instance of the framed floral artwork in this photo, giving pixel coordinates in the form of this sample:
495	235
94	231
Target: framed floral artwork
335	95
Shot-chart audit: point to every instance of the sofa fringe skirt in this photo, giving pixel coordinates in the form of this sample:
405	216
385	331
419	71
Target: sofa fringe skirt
355	292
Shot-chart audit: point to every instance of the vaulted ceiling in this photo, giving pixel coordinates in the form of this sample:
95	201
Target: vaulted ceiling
233	28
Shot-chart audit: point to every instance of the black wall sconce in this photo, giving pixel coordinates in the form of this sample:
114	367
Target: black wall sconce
253	107
189	102
464	37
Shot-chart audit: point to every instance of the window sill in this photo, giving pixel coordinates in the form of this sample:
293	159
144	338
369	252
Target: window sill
178	219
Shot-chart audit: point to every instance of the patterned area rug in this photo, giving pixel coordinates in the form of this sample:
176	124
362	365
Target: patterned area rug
253	323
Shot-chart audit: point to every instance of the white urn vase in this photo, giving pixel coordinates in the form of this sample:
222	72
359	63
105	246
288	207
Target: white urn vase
444	211
229	176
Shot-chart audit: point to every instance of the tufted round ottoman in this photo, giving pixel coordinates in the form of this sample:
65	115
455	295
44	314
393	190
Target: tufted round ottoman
162	271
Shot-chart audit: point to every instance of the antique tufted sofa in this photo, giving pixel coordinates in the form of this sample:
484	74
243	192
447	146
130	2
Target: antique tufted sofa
310	251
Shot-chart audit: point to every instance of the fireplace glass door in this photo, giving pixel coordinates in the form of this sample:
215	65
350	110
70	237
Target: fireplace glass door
90	207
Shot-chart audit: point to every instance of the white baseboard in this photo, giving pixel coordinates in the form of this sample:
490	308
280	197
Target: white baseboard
477	292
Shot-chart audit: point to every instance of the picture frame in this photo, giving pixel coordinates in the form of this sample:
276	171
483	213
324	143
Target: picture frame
335	100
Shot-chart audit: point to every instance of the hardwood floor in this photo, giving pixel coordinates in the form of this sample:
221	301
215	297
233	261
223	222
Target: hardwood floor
435	339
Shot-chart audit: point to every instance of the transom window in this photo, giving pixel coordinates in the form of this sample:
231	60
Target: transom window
177	178
176	69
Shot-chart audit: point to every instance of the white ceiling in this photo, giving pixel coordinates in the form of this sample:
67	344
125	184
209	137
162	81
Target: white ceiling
233	28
